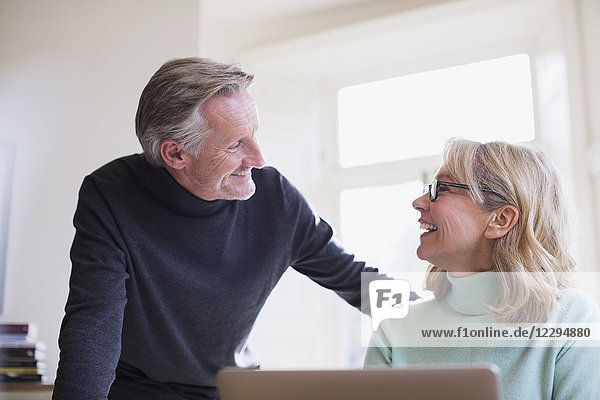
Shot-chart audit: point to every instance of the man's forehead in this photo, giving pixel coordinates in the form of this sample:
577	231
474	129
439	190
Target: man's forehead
227	106
231	116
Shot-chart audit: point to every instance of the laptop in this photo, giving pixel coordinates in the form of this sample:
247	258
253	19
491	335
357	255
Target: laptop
419	383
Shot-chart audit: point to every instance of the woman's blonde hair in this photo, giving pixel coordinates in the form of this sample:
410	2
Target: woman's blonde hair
532	257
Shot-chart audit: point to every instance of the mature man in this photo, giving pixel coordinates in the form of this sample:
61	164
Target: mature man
177	249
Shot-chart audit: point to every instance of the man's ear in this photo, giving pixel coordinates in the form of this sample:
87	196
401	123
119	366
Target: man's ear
501	221
172	154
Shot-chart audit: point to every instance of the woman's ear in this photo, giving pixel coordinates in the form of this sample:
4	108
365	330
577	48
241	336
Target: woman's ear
501	221
172	154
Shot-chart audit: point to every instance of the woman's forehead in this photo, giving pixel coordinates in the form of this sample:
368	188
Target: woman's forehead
450	173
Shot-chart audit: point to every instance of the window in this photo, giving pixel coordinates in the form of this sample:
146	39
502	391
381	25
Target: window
379	225
411	116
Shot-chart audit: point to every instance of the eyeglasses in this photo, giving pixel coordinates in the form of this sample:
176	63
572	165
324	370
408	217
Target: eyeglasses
434	188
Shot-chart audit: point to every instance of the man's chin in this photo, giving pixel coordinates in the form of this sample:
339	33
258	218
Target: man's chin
241	193
246	196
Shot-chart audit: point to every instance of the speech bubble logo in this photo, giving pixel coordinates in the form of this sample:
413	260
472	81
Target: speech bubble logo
388	299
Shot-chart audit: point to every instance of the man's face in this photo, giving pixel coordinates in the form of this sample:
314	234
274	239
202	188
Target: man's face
222	170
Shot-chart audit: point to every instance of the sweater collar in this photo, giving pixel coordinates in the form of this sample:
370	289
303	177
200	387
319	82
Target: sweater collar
473	294
178	198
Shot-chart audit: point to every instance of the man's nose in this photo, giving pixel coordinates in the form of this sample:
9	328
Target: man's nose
254	157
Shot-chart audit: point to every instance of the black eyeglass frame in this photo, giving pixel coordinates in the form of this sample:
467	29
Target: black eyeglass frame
434	185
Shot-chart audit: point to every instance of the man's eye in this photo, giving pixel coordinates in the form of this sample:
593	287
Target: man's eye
235	146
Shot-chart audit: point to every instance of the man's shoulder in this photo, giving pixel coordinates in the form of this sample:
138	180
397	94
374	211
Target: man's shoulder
121	170
269	178
267	173
119	165
272	187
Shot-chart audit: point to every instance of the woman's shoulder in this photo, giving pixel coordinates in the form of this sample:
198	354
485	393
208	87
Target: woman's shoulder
576	306
424	306
421	313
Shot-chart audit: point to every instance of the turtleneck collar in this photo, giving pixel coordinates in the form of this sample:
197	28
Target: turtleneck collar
473	294
178	198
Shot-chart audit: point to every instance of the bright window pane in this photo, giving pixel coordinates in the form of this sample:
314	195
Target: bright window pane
412	116
380	226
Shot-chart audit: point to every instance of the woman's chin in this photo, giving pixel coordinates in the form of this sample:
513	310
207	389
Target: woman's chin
422	254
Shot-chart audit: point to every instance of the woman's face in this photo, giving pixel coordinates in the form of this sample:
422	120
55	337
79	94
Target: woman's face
454	230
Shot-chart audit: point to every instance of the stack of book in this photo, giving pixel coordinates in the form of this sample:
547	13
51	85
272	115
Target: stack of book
21	356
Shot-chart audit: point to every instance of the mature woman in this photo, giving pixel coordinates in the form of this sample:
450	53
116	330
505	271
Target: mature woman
495	237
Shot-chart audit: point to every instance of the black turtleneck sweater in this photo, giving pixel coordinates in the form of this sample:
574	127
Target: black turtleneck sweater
165	286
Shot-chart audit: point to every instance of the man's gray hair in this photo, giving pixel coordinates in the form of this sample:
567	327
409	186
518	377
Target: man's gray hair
170	104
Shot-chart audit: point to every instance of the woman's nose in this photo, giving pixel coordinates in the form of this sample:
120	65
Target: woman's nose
421	203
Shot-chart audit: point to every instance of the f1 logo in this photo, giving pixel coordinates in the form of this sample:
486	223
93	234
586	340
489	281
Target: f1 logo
389	299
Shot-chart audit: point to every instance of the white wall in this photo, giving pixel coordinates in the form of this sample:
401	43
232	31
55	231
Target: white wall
71	73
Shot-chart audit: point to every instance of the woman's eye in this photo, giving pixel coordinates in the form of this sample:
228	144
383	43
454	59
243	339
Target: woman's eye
235	146
443	188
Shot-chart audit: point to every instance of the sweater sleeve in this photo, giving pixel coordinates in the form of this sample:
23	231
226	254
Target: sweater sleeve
316	253
90	335
577	374
577	367
379	352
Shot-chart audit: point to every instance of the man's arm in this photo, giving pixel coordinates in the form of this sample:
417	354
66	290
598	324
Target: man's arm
90	335
317	255
324	261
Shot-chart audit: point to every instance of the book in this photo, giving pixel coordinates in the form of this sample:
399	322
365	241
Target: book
18	362
21	370
20	354
18	332
20	378
14	329
31	350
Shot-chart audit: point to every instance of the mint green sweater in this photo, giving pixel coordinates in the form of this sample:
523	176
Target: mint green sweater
565	368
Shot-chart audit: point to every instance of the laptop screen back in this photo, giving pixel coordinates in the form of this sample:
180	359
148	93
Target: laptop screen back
423	383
